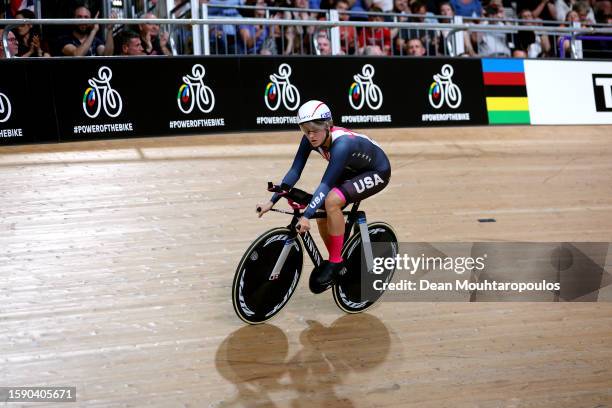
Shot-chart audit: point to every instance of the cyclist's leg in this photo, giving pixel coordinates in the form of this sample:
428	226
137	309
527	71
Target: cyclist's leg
322	225
365	185
357	188
335	224
323	277
338	219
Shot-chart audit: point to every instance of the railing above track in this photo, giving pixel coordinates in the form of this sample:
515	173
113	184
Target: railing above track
570	32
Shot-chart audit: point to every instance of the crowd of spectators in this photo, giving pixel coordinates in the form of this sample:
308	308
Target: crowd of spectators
28	41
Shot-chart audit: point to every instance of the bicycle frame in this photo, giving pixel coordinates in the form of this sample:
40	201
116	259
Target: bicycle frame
311	247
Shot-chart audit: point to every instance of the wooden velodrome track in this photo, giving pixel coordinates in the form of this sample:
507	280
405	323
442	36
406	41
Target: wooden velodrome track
117	260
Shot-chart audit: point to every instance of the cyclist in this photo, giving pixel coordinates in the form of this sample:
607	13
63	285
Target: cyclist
358	168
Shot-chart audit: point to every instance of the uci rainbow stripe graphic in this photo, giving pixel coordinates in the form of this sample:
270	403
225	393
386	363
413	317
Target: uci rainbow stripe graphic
506	91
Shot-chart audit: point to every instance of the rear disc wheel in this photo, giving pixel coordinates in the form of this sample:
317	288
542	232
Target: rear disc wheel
354	292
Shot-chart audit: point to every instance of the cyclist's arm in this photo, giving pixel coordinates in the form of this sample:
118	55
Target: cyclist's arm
339	156
299	162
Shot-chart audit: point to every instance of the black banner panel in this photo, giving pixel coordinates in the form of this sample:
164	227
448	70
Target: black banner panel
26	104
14	105
146	97
274	88
364	92
407	92
66	99
98	98
42	113
443	92
191	95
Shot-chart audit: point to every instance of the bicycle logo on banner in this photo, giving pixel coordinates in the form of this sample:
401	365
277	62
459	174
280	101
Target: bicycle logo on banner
444	90
364	90
279	89
5	108
100	95
193	92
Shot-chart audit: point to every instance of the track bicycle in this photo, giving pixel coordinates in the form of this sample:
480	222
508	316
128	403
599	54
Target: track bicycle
270	269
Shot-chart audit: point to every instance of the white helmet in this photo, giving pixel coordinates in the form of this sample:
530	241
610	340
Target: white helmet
313	110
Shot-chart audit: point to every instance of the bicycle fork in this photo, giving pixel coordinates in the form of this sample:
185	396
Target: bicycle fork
311	249
309	244
280	262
